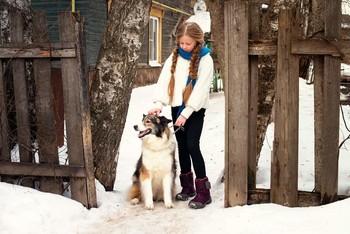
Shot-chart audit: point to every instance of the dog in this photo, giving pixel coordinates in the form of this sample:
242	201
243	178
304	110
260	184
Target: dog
154	177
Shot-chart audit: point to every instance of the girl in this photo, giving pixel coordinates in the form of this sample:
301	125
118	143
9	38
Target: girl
184	84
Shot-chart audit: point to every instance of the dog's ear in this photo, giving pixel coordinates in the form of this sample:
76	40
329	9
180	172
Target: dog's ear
144	116
164	120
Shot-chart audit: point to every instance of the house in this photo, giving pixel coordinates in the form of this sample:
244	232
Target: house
158	42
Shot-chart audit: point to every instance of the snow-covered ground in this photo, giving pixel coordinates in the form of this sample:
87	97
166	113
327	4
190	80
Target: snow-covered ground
24	210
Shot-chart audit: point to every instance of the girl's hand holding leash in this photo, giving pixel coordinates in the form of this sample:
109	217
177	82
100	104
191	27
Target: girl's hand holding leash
180	121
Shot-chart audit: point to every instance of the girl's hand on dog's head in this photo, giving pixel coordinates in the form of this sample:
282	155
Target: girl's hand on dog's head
154	111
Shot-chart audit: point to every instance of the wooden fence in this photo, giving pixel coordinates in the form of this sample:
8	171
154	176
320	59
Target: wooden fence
241	69
39	166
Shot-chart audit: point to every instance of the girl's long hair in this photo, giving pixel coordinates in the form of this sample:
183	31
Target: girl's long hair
194	31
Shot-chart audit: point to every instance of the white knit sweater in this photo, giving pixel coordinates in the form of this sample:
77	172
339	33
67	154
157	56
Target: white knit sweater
200	94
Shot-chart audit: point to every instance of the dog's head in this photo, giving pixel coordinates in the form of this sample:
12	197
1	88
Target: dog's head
152	124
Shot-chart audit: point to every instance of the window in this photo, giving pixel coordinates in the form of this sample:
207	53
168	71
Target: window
154	41
154	51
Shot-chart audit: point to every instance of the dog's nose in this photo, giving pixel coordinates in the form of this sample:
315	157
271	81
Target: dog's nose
135	127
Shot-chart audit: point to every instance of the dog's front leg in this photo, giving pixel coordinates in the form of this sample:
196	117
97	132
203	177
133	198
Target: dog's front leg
167	188
146	187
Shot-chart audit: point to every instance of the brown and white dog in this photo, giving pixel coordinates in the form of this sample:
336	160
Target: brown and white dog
154	177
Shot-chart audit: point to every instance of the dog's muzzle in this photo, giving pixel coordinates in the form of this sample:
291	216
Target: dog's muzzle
142	133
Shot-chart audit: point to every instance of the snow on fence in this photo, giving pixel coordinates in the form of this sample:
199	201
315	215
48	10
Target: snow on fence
31	125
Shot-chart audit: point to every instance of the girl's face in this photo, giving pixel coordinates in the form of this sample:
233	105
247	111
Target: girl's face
187	43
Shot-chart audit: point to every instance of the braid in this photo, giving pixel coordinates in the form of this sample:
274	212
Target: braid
193	71
172	78
195	61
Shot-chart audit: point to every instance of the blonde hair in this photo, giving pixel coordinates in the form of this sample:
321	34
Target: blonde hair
194	31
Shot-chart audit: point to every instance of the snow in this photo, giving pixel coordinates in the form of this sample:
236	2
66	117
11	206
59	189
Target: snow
25	210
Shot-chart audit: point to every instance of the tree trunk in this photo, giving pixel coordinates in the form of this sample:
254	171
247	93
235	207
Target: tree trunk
112	85
216	9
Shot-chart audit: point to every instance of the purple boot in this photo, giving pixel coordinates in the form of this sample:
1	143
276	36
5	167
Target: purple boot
186	181
203	195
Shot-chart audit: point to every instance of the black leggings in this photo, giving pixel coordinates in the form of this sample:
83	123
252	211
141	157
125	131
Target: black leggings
188	143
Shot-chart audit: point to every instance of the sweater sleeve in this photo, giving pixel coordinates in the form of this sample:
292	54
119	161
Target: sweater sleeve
200	92
160	96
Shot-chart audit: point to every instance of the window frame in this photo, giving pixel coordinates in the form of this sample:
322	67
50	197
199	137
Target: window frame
155	14
153	41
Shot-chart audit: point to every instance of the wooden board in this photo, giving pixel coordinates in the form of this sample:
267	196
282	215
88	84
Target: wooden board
284	163
45	120
21	93
236	103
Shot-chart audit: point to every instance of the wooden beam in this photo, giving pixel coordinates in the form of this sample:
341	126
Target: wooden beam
305	198
254	10
41	169
331	101
45	115
262	47
335	48
284	162
236	102
76	105
21	92
36	50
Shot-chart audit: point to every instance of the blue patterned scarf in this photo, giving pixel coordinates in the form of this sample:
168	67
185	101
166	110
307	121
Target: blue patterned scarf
187	56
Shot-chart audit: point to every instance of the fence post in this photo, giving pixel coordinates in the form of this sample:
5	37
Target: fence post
236	103
330	102
253	96
284	163
21	94
74	76
46	133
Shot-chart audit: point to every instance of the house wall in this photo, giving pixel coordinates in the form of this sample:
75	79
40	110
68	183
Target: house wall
171	19
94	13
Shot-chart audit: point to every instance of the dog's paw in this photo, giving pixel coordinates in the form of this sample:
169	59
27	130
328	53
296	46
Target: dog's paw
169	205
149	206
135	201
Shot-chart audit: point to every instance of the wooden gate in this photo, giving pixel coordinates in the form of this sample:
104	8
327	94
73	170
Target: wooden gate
24	127
241	105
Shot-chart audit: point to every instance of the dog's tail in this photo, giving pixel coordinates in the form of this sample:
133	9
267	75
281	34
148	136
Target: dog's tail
134	194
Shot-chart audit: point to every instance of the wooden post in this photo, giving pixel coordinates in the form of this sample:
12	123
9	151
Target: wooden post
46	134
236	103
254	10
331	101
318	63
284	165
75	81
21	93
5	154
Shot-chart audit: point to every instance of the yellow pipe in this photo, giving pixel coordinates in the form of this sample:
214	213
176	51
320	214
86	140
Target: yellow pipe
73	5
171	8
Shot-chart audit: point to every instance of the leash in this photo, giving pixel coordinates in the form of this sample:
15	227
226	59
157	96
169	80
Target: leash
179	128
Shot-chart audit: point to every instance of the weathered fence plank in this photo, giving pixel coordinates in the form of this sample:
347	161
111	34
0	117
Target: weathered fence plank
73	73
262	47
331	101
46	132
284	165
44	50
85	118
5	154
21	93
36	169
253	97
237	103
